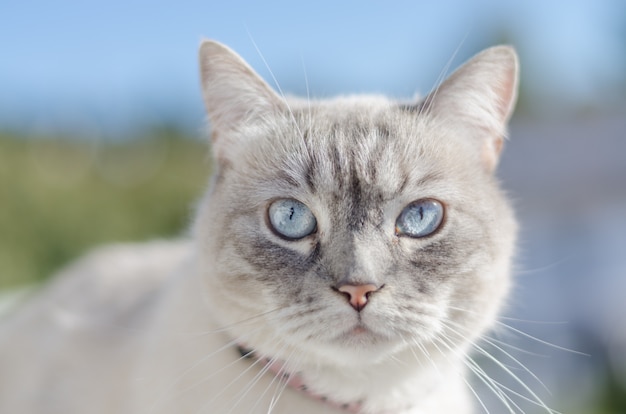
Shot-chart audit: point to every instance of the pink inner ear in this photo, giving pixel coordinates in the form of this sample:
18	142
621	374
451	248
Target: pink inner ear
491	152
506	92
498	143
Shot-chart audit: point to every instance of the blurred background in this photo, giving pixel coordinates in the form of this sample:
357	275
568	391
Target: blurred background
102	140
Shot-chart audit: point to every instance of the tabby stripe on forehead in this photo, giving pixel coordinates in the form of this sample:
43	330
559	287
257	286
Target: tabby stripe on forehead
309	174
337	167
289	178
358	211
312	166
383	134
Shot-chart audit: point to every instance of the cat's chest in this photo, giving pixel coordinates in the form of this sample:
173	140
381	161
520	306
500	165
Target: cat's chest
210	376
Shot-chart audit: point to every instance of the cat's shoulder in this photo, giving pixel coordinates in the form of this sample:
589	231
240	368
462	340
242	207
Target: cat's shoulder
109	283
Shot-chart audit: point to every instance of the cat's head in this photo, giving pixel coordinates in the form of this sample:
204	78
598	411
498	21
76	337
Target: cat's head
358	226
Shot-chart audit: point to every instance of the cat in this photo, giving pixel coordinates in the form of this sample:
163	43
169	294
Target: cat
345	258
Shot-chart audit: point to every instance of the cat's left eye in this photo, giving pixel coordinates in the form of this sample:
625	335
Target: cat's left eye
291	219
421	218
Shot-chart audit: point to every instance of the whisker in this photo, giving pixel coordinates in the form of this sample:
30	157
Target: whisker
282	388
276	375
481	349
429	358
487	338
193	334
282	94
480	374
412	349
430	98
517	379
494	386
541	341
537	401
396	360
525	398
524	367
230	345
241	374
165	395
256	379
252	319
527	335
480	401
509	318
557	263
308	95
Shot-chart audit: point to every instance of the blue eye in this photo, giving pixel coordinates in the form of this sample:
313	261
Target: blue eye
291	219
421	218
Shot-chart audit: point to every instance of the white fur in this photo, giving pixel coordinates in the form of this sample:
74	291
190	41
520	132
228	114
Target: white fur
152	328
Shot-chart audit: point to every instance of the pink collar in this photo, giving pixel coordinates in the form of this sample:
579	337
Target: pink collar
295	381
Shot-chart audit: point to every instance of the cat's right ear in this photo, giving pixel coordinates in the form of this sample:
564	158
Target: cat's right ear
234	95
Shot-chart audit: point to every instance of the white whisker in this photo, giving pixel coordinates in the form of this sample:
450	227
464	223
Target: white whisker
276	375
440	78
412	349
251	320
557	263
540	340
282	94
165	395
308	94
285	382
233	381
479	374
527	335
517	379
482	350
244	392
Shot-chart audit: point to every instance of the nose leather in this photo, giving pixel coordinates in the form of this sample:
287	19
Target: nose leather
358	295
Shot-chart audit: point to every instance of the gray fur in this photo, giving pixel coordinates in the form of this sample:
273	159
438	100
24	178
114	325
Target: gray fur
356	162
153	329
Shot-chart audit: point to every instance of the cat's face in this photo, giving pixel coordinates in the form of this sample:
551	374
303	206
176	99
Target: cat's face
357	226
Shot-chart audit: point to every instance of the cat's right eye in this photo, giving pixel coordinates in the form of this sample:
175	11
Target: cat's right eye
291	219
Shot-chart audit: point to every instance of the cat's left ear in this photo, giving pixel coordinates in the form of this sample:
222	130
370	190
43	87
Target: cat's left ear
234	95
480	96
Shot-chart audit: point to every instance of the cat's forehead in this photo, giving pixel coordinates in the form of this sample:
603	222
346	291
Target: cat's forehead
348	153
369	149
352	115
372	140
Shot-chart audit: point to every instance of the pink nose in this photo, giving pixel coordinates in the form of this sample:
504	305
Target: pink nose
357	295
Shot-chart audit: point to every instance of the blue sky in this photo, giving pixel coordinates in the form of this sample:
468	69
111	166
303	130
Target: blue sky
97	64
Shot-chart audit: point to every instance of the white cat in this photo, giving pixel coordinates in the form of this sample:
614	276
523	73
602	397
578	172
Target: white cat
347	255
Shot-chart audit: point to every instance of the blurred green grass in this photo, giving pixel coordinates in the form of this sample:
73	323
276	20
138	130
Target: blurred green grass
60	196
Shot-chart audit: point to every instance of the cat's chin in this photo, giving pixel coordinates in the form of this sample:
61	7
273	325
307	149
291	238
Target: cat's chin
354	346
361	335
358	350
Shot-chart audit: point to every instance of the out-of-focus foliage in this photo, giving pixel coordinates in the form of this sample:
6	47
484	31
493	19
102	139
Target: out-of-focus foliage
61	196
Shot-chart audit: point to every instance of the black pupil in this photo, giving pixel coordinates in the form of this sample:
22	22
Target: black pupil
291	212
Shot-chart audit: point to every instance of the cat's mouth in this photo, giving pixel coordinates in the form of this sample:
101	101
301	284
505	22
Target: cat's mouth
361	334
359	329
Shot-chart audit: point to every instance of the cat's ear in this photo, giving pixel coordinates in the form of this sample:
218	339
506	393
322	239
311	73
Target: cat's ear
481	96
234	95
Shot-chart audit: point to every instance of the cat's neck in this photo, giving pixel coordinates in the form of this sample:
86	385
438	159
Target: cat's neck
407	381
404	382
